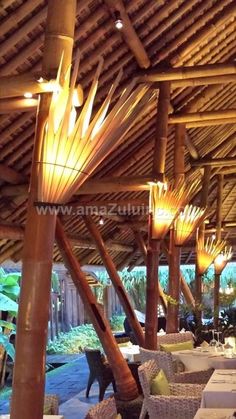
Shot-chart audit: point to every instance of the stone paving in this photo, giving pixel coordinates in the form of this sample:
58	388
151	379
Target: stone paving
68	382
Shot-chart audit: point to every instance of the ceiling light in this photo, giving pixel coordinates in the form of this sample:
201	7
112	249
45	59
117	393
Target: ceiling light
118	21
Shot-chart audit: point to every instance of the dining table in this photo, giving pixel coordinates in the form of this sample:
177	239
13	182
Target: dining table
220	391
215	414
198	359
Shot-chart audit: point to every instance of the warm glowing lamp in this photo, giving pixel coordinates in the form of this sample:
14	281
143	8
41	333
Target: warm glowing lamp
74	146
165	203
187	222
222	259
207	252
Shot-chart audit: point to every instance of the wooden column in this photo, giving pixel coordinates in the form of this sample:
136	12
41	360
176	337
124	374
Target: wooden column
32	323
118	285
203	203
153	249
220	179
175	252
126	385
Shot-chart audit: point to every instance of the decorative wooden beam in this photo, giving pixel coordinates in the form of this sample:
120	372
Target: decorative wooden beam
223	161
18	85
32	322
126	386
118	285
180	118
18	105
128	33
184	73
219	209
175	252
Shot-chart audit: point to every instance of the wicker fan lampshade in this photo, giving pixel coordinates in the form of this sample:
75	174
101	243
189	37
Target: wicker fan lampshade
207	252
165	203
187	222
74	146
222	259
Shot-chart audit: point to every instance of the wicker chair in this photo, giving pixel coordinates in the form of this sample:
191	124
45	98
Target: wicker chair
165	361
103	410
100	370
174	338
183	402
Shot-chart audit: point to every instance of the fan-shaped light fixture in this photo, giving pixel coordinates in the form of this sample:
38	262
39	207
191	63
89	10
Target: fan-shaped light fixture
207	252
165	203
187	222
74	146
222	259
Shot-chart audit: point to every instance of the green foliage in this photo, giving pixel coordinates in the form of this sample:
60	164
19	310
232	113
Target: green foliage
75	340
55	282
117	322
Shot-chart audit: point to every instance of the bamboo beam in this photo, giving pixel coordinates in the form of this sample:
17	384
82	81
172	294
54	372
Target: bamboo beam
118	285
175	252
185	73
21	105
198	282
18	85
126	385
215	162
28	399
180	118
153	249
11	232
129	34
210	122
220	185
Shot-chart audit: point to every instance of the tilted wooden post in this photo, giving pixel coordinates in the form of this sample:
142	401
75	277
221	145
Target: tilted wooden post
201	233
32	323
118	285
218	237
172	324
153	249
126	385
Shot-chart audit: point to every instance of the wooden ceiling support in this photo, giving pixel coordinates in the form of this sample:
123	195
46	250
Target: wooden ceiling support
18	85
153	249
172	324
128	33
117	283
181	118
214	162
210	122
17	105
126	385
185	73
32	322
219	210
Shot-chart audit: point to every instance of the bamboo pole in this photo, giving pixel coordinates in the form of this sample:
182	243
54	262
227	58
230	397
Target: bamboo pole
126	385
215	162
210	122
153	249
21	105
10	175
28	399
18	85
201	234
202	116
219	211
118	285
172	324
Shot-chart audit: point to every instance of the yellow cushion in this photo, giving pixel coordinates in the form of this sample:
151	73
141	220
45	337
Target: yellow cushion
160	385
173	347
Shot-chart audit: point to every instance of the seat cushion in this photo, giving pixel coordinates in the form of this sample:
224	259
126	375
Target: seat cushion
173	347
160	385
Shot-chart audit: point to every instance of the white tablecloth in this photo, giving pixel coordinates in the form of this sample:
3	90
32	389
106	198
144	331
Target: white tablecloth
220	391
131	353
195	360
214	413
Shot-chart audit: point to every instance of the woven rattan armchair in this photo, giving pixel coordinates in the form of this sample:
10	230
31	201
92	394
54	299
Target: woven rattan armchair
103	410
174	338
182	403
100	370
165	361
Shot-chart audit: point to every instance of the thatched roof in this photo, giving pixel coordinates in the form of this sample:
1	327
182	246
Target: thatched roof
173	33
